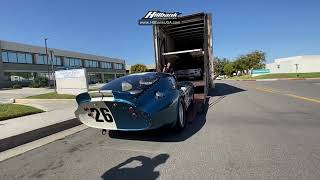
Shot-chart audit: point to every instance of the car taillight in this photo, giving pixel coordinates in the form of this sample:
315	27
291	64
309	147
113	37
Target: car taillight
134	115
131	110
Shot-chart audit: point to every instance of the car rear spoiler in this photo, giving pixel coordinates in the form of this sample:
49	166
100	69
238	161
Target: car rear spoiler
101	95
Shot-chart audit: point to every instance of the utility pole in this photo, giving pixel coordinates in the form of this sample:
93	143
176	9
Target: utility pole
45	44
53	72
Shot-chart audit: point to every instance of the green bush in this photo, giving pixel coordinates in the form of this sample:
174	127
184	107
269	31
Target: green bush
138	68
39	82
17	86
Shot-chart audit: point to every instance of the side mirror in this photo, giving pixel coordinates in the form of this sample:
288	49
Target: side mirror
159	95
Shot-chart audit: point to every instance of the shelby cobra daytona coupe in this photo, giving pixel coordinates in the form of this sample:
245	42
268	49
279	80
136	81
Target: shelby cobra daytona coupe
137	102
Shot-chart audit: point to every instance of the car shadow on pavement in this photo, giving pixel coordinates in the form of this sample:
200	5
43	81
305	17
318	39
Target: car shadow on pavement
162	134
223	89
144	171
195	124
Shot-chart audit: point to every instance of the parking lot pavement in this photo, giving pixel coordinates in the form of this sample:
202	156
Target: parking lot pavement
7	94
246	133
306	88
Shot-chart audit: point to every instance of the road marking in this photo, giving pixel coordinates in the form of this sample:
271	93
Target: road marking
304	98
288	94
267	90
40	142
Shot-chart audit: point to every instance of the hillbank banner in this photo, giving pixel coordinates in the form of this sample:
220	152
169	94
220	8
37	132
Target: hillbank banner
158	17
258	72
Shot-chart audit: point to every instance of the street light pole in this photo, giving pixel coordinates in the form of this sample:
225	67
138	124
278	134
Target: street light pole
53	73
45	43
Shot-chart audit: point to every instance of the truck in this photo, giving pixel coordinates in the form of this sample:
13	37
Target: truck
187	46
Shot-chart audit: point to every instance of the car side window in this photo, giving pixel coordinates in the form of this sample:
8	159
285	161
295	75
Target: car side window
172	82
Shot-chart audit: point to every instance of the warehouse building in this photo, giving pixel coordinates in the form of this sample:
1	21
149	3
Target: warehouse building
296	64
22	63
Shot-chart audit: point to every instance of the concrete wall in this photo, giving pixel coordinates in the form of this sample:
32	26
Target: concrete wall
287	65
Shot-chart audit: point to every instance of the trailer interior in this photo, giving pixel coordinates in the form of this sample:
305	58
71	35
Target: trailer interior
184	45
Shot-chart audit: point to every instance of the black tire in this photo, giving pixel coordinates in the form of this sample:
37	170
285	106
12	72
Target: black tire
192	102
181	122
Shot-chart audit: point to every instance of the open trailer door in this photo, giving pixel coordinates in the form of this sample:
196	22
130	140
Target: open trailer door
188	47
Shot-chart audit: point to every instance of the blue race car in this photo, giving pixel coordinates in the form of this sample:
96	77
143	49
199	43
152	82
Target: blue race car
137	102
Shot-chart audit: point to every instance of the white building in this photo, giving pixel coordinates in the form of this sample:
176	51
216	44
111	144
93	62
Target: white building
300	64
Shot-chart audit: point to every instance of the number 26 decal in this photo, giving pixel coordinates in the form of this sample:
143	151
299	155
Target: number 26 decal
105	113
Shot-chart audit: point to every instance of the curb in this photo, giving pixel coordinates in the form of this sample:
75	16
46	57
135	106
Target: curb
14	141
21	100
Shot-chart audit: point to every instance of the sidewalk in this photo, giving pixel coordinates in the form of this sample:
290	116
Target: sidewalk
7	94
57	113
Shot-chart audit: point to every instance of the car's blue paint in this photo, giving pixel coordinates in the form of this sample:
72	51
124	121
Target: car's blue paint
152	112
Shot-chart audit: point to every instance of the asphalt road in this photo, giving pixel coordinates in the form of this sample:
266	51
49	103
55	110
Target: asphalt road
252	130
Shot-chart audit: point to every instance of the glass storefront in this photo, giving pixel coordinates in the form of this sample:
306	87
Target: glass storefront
108	77
119	75
19	76
94	78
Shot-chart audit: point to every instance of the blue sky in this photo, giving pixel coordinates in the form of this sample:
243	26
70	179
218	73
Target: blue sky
109	28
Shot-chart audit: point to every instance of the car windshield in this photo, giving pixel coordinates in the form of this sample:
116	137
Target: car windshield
133	84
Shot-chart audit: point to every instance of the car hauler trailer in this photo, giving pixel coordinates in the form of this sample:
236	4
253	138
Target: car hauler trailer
188	47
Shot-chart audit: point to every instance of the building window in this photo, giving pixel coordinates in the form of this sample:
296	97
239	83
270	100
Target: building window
42	59
4	56
16	57
72	62
278	66
29	58
106	65
56	61
91	63
21	58
118	66
12	57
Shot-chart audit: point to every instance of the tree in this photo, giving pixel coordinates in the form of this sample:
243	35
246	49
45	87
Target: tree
229	69
137	68
254	60
219	64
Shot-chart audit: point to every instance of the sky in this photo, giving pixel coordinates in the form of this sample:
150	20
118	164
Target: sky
280	28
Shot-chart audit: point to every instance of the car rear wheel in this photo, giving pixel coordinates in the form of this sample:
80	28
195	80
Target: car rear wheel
192	101
181	119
